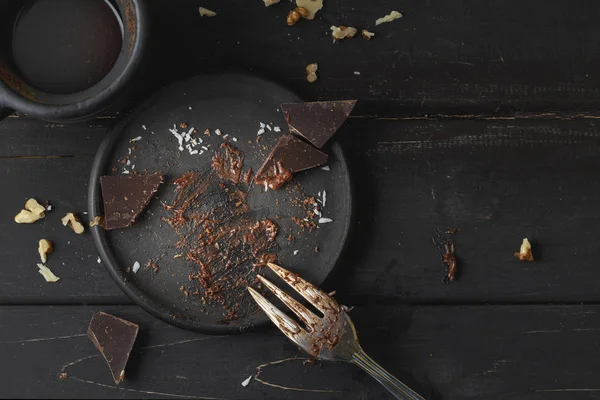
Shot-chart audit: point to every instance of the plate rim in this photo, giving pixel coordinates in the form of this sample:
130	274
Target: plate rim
100	238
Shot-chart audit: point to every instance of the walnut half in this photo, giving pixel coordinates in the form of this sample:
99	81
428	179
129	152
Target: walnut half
72	221
342	32
33	211
44	248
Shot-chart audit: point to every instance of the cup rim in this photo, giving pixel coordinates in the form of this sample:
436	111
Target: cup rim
99	96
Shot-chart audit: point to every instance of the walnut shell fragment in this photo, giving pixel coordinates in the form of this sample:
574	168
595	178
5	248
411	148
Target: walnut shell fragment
366	34
47	274
205	12
311	72
525	253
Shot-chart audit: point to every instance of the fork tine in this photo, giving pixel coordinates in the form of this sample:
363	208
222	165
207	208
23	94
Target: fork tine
285	324
321	300
302	312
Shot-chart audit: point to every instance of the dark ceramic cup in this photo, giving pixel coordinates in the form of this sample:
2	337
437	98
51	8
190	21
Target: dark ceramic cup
18	92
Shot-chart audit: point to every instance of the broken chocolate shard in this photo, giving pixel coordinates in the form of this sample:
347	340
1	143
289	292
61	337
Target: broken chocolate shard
289	155
126	196
317	122
114	338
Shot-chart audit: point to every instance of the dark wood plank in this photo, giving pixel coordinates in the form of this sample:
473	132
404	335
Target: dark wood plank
444	56
491	352
26	137
62	181
497	182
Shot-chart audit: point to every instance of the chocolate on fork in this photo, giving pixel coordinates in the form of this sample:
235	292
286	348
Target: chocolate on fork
331	337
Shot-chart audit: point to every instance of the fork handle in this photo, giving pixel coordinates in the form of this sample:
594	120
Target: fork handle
398	389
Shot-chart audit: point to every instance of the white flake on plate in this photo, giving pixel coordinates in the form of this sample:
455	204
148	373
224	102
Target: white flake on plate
260	132
277	129
136	267
225	136
234	139
218	132
317	212
125	172
135	139
204	148
326	168
99	260
356	73
319	194
247	381
129	150
190	108
194	152
144	127
325	220
49	207
324	198
133	167
261	124
269	127
128	162
296	252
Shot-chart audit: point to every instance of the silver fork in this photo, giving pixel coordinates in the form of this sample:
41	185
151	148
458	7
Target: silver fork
332	337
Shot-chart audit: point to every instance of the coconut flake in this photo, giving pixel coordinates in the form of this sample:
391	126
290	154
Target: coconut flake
144	127
136	267
125	172
324	198
269	127
260	132
262	125
326	168
218	132
296	252
325	220
99	260
247	381
135	139
277	129
47	274
234	139
356	73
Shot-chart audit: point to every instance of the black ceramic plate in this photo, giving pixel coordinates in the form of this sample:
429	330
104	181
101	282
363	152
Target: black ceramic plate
236	105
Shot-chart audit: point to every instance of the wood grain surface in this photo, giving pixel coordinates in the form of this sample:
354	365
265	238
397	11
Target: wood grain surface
473	114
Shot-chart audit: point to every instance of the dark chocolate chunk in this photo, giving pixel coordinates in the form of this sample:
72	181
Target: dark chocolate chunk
114	338
126	196
289	155
317	122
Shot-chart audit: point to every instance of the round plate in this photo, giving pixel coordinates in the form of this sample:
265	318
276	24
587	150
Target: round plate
236	105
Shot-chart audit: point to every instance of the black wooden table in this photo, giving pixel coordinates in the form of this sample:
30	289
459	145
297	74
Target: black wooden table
476	114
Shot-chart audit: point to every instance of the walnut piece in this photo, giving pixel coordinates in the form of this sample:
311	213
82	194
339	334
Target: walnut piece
205	12
295	15
388	18
311	72
366	34
342	32
525	253
270	2
47	274
73	222
44	248
311	6
98	221
33	211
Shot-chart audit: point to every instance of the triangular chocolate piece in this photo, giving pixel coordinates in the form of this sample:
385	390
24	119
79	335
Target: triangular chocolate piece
317	122
289	155
114	338
126	196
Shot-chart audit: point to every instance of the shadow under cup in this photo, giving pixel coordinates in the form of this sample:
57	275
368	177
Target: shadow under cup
68	60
